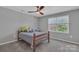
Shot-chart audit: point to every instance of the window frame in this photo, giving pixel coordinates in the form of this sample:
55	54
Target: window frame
60	23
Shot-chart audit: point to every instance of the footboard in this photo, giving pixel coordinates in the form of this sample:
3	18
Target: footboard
35	38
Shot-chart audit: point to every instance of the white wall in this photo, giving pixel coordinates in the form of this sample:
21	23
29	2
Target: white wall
73	26
10	21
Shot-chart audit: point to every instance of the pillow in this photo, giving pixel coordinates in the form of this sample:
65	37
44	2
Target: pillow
24	28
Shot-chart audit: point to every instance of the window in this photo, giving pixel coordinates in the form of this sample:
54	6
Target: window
59	24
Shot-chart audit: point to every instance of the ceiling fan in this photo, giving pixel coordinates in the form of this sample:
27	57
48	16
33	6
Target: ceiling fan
38	10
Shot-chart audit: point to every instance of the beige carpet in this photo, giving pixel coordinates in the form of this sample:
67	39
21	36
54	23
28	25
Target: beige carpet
53	46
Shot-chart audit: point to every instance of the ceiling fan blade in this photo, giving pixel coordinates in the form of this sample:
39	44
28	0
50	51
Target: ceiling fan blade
41	7
37	6
32	11
41	13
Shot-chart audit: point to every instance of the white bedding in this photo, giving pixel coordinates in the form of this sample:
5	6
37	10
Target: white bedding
27	36
31	33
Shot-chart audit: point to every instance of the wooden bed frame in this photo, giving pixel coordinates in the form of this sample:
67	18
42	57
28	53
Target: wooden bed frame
35	38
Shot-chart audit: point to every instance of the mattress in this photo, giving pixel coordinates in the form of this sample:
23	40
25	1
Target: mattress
27	36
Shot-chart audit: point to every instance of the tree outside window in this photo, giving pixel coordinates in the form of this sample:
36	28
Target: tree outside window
59	24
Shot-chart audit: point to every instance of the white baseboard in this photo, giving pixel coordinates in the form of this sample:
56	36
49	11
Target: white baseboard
51	37
8	42
65	40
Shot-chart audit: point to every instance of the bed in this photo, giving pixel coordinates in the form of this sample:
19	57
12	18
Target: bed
33	38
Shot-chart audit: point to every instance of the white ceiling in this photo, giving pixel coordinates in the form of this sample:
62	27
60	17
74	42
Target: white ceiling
48	10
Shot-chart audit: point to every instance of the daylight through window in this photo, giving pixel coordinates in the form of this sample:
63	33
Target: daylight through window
59	24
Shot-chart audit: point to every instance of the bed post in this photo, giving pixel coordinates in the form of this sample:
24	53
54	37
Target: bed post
33	43
48	37
18	35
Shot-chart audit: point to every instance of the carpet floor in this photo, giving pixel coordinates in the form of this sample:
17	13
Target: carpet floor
53	46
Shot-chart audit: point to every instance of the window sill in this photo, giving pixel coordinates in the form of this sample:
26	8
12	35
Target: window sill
59	32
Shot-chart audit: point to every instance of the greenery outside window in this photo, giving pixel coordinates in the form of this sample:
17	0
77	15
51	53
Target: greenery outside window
59	24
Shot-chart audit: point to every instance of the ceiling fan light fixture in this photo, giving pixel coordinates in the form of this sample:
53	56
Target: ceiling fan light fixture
38	11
